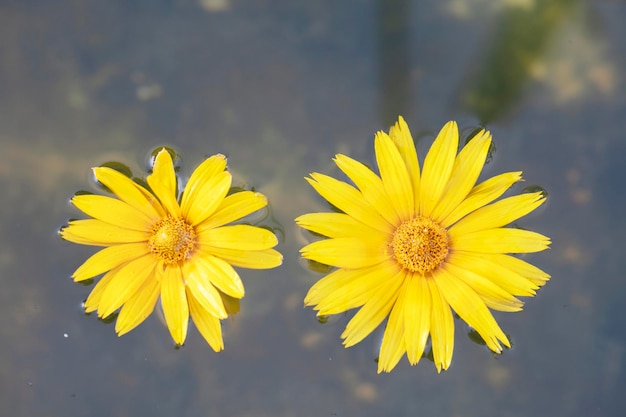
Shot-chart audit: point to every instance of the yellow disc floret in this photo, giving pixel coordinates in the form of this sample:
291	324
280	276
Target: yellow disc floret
172	240
420	245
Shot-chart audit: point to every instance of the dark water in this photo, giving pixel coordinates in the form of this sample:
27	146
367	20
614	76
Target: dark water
280	87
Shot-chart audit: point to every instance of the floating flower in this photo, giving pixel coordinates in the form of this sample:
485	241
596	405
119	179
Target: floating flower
181	250
411	246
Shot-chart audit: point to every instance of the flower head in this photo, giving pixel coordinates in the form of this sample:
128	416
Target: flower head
409	245
181	250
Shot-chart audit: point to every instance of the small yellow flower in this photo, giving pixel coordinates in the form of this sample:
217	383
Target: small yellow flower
183	251
410	246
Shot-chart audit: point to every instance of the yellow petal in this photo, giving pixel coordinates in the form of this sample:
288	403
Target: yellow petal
257	259
417	312
127	279
370	185
207	199
112	211
174	301
510	281
329	284
502	240
346	252
239	236
128	191
482	194
392	347
467	167
492	294
350	288
498	214
349	200
441	328
199	284
373	312
234	207
203	174
472	310
93	301
338	225
109	258
162	181
395	176
517	266
154	201
221	274
437	167
138	307
208	325
98	233
401	137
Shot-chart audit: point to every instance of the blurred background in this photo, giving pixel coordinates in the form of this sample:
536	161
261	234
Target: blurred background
279	87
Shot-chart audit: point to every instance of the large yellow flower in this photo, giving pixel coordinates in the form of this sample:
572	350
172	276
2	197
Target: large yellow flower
410	246
183	251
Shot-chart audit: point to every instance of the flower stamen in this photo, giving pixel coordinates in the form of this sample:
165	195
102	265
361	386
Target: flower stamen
172	240
420	245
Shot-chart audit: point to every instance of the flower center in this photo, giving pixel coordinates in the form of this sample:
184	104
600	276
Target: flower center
420	245
172	240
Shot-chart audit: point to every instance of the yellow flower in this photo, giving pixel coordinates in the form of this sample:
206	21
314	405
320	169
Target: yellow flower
183	251
410	246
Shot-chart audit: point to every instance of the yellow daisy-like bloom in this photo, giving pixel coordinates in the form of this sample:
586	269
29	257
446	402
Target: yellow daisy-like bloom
410	246
183	251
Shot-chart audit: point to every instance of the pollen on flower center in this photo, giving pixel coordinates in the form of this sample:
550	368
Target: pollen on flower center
420	245
172	240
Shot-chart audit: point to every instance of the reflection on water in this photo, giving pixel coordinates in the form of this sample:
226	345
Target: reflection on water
520	40
394	54
280	87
